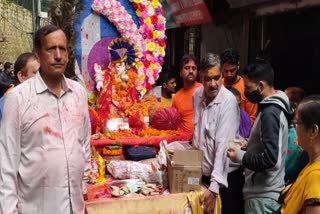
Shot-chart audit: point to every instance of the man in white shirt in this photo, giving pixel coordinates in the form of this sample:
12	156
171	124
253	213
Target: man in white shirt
44	136
216	119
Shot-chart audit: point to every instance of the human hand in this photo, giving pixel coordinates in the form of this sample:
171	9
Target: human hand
208	200
97	67
99	85
242	142
233	151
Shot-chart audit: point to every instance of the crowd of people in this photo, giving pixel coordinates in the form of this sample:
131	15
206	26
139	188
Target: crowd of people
253	129
240	121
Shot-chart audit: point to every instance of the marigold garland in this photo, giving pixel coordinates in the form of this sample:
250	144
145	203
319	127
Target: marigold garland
121	88
148	131
143	106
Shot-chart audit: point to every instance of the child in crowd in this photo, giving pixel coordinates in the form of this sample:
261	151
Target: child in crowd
245	122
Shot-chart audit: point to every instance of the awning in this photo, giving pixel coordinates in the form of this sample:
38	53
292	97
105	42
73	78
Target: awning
245	3
180	13
281	7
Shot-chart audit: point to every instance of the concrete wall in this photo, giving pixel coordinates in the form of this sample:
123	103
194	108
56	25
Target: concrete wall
16	27
233	32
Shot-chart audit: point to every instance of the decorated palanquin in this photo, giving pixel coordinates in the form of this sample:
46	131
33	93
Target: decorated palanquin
121	55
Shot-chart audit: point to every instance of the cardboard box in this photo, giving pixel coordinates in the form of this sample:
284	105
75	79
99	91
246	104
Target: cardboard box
184	170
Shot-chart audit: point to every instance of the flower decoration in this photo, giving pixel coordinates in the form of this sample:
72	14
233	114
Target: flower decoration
121	19
149	39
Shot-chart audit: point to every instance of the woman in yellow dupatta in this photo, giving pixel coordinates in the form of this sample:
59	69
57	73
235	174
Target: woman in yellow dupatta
304	194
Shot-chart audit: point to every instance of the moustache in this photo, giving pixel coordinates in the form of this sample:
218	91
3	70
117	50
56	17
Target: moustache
213	88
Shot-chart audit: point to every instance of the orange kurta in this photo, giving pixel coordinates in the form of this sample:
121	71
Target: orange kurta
248	106
182	101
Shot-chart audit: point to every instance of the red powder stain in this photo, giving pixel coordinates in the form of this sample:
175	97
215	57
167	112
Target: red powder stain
87	36
49	131
81	29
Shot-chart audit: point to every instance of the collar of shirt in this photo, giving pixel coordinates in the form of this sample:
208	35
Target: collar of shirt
41	86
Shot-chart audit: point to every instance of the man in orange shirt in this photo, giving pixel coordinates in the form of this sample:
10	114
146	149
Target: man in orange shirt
182	101
230	61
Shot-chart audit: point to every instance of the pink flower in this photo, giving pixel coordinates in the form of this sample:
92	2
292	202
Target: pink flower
144	14
161	19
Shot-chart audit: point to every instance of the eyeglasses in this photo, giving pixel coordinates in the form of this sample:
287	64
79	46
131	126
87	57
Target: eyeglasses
295	123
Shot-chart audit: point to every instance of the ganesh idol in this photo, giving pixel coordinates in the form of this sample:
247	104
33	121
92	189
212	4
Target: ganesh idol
117	84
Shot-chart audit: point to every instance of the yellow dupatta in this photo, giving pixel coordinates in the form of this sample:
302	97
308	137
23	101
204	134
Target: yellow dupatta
307	186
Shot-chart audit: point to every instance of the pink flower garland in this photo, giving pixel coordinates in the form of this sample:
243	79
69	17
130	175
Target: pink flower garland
121	19
149	40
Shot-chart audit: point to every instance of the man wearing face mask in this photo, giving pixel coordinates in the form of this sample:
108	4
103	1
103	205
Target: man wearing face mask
267	146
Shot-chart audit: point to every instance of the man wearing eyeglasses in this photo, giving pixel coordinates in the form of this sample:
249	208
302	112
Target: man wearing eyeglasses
230	65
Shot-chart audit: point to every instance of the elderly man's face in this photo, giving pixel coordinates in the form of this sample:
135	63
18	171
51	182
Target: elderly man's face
53	55
212	80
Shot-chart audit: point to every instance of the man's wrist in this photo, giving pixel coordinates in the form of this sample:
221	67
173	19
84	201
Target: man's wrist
214	187
213	193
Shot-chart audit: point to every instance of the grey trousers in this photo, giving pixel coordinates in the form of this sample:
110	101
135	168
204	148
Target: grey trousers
261	206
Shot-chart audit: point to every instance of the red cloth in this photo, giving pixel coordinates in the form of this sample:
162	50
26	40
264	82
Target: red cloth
104	100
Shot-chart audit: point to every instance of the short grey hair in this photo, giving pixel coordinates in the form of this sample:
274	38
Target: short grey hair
210	60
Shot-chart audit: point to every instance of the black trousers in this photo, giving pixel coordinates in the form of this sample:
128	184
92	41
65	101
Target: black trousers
232	197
